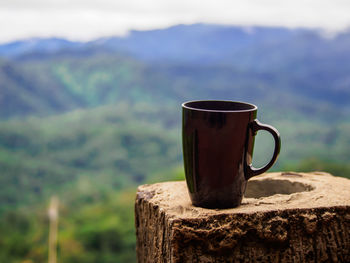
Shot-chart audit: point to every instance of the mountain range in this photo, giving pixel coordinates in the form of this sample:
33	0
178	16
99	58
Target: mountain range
46	76
85	121
201	43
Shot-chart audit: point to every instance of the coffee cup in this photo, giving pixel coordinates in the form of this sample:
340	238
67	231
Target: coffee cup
218	142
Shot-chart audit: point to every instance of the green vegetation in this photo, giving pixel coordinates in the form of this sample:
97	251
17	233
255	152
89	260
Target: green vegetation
89	157
100	230
89	126
117	146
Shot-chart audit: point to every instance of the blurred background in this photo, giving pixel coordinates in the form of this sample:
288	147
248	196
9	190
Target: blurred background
90	106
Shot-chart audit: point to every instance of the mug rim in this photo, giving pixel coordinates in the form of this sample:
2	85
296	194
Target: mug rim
253	107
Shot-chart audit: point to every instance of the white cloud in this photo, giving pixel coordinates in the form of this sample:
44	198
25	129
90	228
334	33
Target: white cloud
87	19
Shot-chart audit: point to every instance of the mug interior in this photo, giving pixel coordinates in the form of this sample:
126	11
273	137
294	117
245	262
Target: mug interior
219	105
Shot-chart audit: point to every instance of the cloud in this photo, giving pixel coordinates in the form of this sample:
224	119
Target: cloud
87	19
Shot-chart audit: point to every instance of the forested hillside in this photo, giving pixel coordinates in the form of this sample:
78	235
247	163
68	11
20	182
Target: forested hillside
88	122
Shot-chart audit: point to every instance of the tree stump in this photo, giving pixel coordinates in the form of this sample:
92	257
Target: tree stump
284	217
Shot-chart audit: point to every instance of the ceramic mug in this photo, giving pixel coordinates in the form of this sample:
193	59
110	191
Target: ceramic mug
218	141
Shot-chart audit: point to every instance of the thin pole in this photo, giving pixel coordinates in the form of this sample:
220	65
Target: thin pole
53	218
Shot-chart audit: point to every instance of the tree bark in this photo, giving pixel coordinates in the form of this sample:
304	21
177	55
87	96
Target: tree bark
284	217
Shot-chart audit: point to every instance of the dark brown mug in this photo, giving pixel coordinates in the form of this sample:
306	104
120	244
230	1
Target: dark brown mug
218	142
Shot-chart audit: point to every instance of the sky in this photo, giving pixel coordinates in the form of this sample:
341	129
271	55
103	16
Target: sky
89	19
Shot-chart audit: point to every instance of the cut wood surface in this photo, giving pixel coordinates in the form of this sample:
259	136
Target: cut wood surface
284	217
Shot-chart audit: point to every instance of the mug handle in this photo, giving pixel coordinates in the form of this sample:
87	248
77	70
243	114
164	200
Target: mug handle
255	126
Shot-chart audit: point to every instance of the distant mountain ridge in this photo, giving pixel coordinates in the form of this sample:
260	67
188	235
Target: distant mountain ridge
32	45
259	64
190	43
